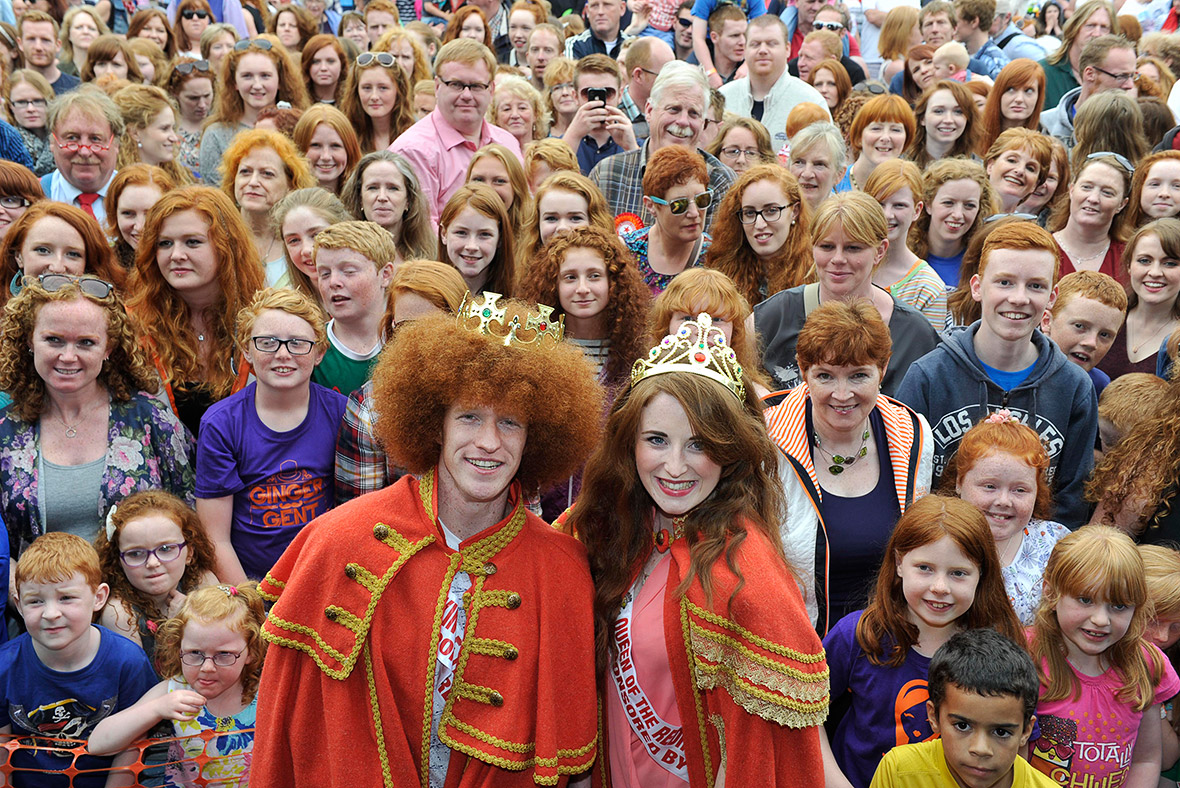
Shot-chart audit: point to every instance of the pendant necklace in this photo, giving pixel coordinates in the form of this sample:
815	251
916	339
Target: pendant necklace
663	538
840	462
71	432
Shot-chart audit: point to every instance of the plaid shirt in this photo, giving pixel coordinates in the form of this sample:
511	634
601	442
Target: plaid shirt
662	13
620	178
361	466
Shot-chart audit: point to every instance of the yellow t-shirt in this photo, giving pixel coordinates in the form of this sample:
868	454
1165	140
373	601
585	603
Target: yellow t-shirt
923	765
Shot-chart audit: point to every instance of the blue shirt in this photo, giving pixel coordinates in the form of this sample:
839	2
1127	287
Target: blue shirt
1100	379
947	268
1008	380
988	59
590	153
12	146
701	9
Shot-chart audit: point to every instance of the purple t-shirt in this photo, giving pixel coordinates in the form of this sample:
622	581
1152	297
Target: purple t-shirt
887	705
280	481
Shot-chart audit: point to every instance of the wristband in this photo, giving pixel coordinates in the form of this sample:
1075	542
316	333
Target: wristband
710	72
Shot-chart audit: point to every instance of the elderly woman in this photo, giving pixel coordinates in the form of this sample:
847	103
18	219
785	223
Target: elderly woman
26	98
1092	234
676	192
132	193
419	287
196	266
54	238
384	189
880	131
948	124
849	240
842	472
84	429
149	134
761	236
819	161
18	190
517	108
742	143
324	135
260	168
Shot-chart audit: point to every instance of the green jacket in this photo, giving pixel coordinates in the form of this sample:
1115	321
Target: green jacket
1058	81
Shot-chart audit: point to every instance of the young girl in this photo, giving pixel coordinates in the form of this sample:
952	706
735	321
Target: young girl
154	551
941	575
475	236
1161	567
495	166
1000	469
1101	681
212	652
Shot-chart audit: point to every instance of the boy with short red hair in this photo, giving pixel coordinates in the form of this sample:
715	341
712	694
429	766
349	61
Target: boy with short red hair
1002	361
1085	319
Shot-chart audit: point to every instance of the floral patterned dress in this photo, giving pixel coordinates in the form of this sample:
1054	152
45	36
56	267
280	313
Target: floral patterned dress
224	758
148	450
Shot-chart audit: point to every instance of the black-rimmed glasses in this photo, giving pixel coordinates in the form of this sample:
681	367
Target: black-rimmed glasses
1121	79
89	285
296	347
256	43
680	204
459	86
14	202
165	554
770	214
383	59
222	659
1120	158
192	65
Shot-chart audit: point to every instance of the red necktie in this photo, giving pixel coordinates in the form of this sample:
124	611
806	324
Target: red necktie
86	200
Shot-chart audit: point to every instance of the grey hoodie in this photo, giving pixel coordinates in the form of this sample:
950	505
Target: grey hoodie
951	389
1058	122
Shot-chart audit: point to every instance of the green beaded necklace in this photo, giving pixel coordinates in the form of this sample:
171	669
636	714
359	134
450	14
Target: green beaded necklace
840	462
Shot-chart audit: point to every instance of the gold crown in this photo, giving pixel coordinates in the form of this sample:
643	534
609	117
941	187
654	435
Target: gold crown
485	316
699	348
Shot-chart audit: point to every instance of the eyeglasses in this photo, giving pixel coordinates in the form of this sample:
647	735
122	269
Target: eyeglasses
711	122
13	202
562	86
222	659
190	66
73	146
459	87
296	347
165	554
26	103
383	59
684	21
995	217
680	204
89	285
1121	79
1120	158
257	43
835	27
770	214
734	152
194	13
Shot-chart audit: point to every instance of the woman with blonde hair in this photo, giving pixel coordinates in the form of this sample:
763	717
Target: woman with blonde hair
79	29
1155	70
475	236
1016	99
500	169
110	54
377	100
195	268
1155	189
407	51
563	201
324	135
545	157
297	218
131	194
149	131
260	168
760	236
956	198
899	32
742	143
558	87
217	42
469	22
192	18
947	124
324	66
237	108
26	98
850	236
517	108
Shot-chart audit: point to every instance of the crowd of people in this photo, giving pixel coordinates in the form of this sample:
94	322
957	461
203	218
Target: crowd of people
570	392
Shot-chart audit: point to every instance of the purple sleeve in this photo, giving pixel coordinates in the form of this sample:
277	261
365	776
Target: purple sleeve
218	474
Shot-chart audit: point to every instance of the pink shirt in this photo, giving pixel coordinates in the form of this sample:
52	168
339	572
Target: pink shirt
1089	740
439	155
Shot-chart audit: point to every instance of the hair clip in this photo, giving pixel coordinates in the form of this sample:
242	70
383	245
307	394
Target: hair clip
1000	417
229	590
111	524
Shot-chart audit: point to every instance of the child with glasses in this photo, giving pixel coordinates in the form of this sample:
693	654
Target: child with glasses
266	455
212	653
153	551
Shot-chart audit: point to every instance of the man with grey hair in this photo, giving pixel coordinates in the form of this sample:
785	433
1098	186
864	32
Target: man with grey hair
769	93
676	116
1107	63
86	126
1008	37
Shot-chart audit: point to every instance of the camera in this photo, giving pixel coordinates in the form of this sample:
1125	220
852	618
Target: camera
596	94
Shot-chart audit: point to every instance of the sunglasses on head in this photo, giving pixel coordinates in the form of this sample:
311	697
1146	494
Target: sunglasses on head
257	43
89	285
191	13
189	66
383	59
680	204
1120	158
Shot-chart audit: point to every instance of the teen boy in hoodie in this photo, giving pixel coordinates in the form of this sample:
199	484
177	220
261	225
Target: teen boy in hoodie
1002	361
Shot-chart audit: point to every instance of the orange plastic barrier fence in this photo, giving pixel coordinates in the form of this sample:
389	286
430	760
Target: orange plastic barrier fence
169	761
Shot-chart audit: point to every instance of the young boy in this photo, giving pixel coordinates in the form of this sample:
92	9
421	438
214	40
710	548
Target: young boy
1002	361
1085	319
354	266
950	62
65	674
983	692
